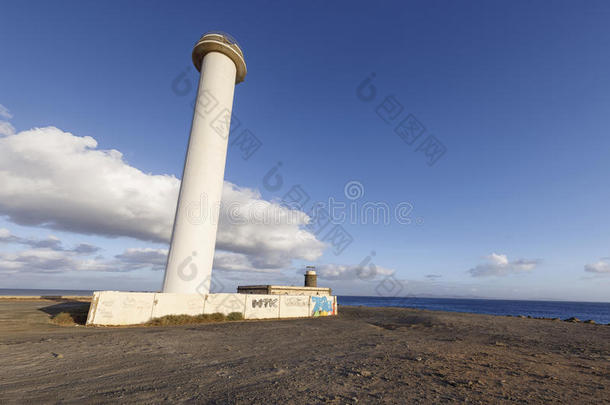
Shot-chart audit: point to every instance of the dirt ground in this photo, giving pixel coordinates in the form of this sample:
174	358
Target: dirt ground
365	355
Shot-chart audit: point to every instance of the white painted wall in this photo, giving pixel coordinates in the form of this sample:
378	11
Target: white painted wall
320	304
225	303
262	306
129	308
120	308
294	306
174	304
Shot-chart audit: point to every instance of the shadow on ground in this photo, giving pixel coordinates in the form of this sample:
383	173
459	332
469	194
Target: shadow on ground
78	310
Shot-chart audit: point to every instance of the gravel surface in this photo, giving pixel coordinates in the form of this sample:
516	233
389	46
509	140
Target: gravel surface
365	355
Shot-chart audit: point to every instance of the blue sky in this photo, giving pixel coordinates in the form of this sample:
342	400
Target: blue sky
517	92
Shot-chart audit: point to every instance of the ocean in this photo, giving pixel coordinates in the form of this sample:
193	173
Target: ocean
596	311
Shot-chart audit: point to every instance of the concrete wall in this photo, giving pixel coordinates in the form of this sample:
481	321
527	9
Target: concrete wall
120	308
225	303
322	306
262	306
172	304
129	308
294	306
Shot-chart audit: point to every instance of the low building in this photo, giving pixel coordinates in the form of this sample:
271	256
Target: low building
283	290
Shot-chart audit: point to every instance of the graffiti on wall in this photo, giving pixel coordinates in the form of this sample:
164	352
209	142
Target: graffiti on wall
323	306
296	301
265	303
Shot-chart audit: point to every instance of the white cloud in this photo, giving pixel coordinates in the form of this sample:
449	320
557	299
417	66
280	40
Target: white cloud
499	265
46	260
269	234
139	258
7	236
61	181
57	180
229	261
351	272
5	113
602	266
50	256
6	128
35	260
50	242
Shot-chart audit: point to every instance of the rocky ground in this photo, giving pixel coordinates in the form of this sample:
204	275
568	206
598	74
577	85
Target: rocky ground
365	355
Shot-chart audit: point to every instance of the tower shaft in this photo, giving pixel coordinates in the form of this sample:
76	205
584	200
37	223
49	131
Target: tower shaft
191	253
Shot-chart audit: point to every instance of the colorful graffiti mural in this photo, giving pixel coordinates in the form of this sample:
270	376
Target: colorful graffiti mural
323	306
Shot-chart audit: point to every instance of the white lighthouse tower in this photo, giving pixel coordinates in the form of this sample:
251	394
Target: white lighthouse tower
189	266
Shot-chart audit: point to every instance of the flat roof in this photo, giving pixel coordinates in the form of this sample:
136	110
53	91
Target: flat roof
289	287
